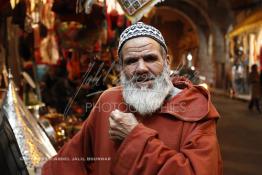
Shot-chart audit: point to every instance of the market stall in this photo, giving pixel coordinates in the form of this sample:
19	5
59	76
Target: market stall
245	42
67	56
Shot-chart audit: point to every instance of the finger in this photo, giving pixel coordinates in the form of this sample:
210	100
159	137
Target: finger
125	121
120	113
112	123
116	128
114	133
116	115
116	138
115	112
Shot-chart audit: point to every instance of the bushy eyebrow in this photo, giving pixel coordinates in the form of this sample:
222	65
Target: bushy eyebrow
147	57
150	55
127	60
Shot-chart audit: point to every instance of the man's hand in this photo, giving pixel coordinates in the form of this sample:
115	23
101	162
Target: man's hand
121	124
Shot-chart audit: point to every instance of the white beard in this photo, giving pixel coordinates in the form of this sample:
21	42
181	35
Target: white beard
147	100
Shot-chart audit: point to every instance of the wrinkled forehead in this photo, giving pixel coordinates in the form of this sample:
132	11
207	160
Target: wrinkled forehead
140	45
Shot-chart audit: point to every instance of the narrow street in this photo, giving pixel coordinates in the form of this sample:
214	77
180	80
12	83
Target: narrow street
240	136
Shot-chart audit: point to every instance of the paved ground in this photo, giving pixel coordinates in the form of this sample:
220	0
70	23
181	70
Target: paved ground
240	136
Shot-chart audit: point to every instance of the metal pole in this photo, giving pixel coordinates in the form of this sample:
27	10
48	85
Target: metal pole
6	48
5	43
36	47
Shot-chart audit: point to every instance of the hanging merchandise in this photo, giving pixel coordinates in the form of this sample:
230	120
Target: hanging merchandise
260	57
19	14
136	9
47	16
79	31
77	36
66	11
48	46
64	7
73	66
84	6
116	22
111	26
104	34
113	15
49	50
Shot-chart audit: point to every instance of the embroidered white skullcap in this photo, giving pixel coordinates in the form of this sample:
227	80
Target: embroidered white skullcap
140	29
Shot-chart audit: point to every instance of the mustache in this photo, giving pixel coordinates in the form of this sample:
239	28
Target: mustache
142	78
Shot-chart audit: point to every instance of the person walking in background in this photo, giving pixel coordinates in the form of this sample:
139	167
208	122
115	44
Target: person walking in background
255	88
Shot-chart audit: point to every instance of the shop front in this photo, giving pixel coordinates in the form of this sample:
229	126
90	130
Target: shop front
245	50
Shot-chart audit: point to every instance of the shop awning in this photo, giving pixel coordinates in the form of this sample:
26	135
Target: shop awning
252	22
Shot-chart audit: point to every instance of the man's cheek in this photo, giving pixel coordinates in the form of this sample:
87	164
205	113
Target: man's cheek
156	68
129	72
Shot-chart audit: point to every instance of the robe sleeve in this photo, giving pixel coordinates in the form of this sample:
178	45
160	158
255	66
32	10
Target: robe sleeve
142	152
73	156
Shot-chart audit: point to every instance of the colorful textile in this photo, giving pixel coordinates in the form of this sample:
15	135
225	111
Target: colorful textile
135	9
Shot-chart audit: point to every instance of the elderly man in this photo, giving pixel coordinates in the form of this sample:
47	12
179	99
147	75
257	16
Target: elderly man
152	124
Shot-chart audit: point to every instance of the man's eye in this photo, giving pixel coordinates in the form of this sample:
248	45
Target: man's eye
130	61
150	58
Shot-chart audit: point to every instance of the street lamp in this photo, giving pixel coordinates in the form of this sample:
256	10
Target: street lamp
189	59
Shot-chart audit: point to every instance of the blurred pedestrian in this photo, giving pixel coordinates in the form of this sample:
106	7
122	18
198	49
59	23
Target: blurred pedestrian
254	81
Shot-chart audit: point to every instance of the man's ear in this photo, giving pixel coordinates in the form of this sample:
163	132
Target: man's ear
168	59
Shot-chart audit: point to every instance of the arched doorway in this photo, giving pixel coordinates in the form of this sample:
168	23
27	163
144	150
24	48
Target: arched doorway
180	34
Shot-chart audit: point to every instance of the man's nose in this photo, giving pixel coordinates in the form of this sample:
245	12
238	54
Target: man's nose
141	67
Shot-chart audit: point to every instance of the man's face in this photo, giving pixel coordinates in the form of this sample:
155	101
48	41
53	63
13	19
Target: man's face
142	61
